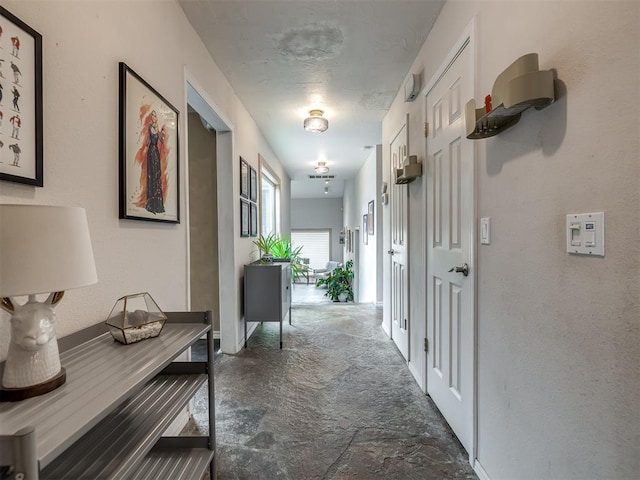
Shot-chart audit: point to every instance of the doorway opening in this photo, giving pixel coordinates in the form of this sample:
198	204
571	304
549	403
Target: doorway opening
208	167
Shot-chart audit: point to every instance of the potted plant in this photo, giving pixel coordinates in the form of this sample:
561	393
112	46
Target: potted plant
280	249
339	283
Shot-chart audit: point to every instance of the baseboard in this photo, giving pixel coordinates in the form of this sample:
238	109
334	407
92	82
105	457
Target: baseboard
216	336
480	471
417	377
385	330
250	330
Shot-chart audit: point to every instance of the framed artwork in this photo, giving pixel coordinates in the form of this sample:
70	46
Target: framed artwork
20	101
254	219
244	218
149	170
365	233
253	184
244	178
370	218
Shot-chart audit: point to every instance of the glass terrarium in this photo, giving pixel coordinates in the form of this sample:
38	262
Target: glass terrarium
134	318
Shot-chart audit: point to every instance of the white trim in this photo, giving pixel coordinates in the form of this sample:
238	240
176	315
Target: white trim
468	36
468	39
480	471
228	333
416	377
222	123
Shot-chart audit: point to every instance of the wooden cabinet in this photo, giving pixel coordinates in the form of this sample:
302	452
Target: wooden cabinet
108	419
267	293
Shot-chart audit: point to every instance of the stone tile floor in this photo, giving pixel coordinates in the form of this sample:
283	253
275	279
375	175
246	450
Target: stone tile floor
337	402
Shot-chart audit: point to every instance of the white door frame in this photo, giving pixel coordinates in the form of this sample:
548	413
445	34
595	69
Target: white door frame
406	297
196	96
466	40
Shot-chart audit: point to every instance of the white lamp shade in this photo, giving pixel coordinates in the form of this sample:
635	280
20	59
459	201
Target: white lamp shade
44	249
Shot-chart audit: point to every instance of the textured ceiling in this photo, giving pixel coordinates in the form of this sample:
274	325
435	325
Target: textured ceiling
283	58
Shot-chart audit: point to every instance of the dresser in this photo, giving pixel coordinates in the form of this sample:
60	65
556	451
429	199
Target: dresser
267	293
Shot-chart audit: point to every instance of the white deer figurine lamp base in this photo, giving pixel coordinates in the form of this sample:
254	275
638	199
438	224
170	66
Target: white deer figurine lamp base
44	249
33	362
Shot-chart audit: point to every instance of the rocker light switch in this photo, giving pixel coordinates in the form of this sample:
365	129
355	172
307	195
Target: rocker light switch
585	233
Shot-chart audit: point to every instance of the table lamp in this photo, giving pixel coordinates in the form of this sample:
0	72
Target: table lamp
43	250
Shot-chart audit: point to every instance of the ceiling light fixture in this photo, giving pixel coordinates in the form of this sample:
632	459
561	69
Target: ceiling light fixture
326	190
316	122
322	168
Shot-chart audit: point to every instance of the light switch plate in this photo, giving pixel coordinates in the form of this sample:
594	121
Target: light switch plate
585	233
485	230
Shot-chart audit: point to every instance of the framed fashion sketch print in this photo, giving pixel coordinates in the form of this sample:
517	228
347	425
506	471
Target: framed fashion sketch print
149	168
253	184
244	218
254	220
244	178
20	101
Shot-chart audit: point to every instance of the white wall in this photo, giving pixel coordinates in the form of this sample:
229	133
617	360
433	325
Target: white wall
558	335
82	44
320	213
358	193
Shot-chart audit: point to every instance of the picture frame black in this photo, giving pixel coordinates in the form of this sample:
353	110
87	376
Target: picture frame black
149	152
21	133
244	178
254	220
370	218
244	218
253	184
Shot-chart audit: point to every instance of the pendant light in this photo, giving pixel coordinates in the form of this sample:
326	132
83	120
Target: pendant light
316	122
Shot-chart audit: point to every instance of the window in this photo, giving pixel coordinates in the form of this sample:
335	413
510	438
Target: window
269	200
316	245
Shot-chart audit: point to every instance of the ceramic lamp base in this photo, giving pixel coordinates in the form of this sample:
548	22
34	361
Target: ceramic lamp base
17	394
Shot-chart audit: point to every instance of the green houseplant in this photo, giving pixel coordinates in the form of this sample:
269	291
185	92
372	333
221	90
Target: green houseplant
281	248
339	283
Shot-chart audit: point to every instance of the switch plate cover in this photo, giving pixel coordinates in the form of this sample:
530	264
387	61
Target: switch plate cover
485	230
585	233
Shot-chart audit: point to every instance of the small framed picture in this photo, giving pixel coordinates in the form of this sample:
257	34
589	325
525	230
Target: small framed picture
21	109
370	218
254	220
149	170
244	218
253	184
365	233
244	178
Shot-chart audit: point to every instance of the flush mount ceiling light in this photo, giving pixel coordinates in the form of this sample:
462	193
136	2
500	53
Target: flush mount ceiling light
316	122
322	168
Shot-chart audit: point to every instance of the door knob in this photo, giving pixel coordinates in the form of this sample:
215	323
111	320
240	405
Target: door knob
464	269
391	252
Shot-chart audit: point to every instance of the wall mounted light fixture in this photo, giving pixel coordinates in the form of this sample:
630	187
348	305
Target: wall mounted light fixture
315	122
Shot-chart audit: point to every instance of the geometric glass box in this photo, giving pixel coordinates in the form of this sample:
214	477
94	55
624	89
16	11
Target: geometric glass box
134	318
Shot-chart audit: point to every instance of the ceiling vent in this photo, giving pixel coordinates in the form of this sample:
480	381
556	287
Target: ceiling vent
321	176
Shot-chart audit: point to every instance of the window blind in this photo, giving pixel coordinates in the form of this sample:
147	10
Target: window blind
316	245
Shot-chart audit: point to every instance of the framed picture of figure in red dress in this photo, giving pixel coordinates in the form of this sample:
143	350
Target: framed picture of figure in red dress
20	101
148	143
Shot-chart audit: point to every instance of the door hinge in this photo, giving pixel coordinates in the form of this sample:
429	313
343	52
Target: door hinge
426	129
426	344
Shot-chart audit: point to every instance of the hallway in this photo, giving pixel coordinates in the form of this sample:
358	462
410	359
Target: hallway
337	402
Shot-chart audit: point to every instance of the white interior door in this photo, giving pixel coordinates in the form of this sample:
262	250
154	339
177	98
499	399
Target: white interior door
450	227
399	202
